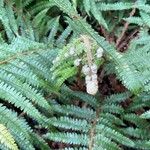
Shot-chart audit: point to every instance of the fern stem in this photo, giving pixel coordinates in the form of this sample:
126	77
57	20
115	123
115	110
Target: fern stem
92	131
87	43
126	25
18	55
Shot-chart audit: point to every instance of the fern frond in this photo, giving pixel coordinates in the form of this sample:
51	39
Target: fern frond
6	138
85	113
123	6
65	6
87	6
111	118
127	73
69	123
40	43
112	108
117	98
78	139
146	18
146	115
25	89
38	18
41	6
103	142
82	96
17	127
137	133
67	73
90	6
135	20
108	132
53	32
11	17
135	119
9	94
39	142
5	21
142	144
62	38
114	6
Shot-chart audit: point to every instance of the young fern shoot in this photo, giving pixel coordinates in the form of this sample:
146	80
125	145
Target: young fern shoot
90	70
82	51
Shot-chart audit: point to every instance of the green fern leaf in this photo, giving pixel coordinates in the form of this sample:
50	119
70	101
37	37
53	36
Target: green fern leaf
78	139
6	138
97	14
87	6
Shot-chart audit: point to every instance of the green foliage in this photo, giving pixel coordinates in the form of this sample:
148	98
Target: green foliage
97	124
42	90
6	138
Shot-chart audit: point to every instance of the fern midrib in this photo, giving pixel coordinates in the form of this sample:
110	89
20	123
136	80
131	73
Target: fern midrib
92	130
19	55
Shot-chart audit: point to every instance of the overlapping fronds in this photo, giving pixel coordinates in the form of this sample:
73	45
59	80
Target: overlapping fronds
37	108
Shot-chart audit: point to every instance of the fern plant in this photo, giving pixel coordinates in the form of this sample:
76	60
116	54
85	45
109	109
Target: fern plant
98	123
46	47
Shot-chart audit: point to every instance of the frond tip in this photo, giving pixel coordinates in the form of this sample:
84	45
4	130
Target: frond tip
7	139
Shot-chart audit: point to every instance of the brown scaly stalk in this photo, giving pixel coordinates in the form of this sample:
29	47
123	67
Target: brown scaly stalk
79	80
126	25
87	43
93	131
